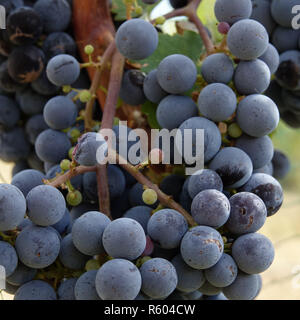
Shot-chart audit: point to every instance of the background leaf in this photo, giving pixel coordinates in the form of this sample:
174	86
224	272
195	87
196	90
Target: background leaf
189	44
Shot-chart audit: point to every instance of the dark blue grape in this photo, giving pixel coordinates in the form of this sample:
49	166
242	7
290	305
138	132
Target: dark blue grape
233	10
248	213
85	287
26	180
35	290
141	214
66	289
167	227
162	282
34	126
202	247
59	43
152	90
21	275
210	208
281	165
9	112
124	238
8	258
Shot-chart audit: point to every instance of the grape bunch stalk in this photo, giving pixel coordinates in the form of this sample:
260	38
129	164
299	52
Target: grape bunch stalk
72	228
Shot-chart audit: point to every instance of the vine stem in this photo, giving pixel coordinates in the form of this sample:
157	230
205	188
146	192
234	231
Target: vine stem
88	117
116	75
162	197
190	11
69	175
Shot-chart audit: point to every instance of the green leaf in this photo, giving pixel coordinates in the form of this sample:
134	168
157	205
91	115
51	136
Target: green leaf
149	109
189	44
119	9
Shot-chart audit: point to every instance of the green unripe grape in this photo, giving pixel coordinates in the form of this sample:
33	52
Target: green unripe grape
67	89
74	198
70	153
92	265
160	20
234	130
85	96
75	134
149	196
65	164
141	261
138	10
89	49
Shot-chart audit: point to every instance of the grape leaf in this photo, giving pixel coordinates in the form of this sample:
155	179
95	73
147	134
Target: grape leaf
189	44
149	109
119	9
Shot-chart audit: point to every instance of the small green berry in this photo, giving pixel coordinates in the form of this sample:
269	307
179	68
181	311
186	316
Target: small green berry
74	198
89	49
85	96
234	130
149	196
65	164
70	153
138	10
75	133
92	265
160	20
67	89
141	261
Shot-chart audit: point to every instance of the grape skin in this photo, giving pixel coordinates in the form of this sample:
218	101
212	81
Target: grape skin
233	166
212	136
176	74
12	207
167	227
85	152
204	239
28	179
252	77
141	214
60	113
253	253
63	224
9	112
281	11
217	67
260	150
162	282
59	43
56	15
33	240
87	232
35	290
174	109
124	238
189	279
30	102
223	273
271	58
66	289
267	169
45	205
257	115
243	288
52	146
85	287
152	90
8	258
285	39
131	90
172	185
248	213
63	70
34	126
185	199
69	256
247	39
217	102
209	290
261	12
232	11
136	39
118	279
268	189
210	208
281	165
43	86
21	275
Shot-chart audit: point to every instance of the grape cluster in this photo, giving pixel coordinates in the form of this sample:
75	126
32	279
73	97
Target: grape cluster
277	18
146	251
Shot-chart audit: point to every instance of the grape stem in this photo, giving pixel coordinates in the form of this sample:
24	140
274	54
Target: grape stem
162	197
116	75
190	11
88	118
